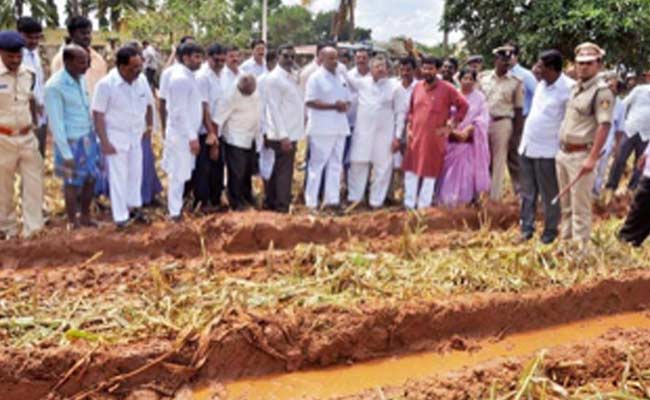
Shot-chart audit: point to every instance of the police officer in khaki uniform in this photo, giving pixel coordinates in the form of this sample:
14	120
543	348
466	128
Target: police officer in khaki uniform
505	98
582	136
18	144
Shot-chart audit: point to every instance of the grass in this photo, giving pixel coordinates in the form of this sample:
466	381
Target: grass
177	295
535	384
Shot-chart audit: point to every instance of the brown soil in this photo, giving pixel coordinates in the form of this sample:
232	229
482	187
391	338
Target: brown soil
599	364
245	344
235	233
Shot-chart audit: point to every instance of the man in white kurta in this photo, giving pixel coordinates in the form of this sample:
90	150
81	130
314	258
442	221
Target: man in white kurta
239	119
122	113
328	100
184	119
378	130
256	64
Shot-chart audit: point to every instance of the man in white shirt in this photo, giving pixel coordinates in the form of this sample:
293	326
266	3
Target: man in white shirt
209	171
637	130
122	114
32	32
361	70
151	63
164	80
256	64
284	126
539	144
184	119
308	70
379	128
231	73
328	100
239	120
637	224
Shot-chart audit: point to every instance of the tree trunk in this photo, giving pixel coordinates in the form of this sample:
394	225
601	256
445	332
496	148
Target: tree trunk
19	8
351	5
73	7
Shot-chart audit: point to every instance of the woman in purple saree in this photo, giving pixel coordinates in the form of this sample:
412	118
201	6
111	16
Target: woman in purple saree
466	169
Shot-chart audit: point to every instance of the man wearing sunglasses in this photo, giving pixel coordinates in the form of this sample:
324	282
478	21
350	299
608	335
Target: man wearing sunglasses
583	134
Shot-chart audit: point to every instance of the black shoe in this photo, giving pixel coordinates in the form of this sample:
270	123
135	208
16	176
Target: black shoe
139	217
121	226
547	239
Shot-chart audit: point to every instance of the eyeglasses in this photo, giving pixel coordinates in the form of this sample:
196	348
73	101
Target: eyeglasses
289	56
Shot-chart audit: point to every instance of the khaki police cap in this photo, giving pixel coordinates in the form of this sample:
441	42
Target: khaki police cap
504	51
588	51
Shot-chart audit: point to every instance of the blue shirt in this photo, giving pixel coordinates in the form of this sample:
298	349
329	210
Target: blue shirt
68	110
530	83
618	125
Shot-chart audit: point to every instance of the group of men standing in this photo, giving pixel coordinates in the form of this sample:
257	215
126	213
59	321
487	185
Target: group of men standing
224	122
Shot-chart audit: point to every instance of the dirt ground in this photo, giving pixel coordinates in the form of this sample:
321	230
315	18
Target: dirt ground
247	343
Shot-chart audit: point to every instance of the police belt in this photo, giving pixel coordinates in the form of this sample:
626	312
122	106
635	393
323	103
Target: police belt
11	132
575	148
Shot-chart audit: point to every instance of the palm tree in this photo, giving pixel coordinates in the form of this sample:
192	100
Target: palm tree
344	14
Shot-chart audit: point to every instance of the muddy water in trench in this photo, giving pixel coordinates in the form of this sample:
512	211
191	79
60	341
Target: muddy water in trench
396	371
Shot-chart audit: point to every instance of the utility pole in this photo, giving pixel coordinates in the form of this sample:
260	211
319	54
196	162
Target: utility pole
265	11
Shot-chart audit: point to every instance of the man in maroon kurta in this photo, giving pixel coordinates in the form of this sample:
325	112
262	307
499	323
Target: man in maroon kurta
436	108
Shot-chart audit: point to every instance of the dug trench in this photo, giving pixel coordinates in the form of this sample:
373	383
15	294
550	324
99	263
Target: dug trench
244	344
614	365
233	233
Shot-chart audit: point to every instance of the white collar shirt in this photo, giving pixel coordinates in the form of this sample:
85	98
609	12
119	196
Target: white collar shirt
164	81
124	107
239	118
541	136
151	58
251	66
284	106
637	111
229	79
211	91
184	105
354	75
329	88
32	60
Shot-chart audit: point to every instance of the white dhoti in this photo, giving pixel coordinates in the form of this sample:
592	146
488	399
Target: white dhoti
379	182
178	162
325	155
125	180
414	198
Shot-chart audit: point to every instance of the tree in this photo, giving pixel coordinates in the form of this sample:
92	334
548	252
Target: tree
323	29
10	11
560	24
291	25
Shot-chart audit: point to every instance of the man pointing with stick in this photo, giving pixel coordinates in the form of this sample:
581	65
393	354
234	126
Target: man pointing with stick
582	137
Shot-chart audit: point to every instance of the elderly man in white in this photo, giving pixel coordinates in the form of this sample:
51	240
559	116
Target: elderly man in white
123	114
379	127
284	126
239	119
184	119
328	100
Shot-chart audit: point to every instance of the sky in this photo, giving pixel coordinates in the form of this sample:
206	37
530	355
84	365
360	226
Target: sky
419	19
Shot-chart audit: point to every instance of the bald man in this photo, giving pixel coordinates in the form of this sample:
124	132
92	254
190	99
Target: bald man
239	119
328	100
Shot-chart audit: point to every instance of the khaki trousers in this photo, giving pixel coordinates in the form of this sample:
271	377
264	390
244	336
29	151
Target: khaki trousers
576	205
20	154
499	134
